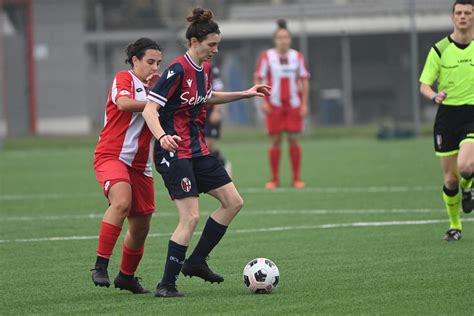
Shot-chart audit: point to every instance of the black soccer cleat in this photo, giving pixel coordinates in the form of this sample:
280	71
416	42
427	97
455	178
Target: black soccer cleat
129	283
167	290
202	271
100	276
452	235
468	200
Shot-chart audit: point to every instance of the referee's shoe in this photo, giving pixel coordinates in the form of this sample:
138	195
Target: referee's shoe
202	271
468	200
452	235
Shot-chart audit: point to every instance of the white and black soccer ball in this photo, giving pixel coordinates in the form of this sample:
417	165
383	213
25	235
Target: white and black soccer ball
261	275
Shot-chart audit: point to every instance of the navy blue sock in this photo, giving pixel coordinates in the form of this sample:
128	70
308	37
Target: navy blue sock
174	262
211	235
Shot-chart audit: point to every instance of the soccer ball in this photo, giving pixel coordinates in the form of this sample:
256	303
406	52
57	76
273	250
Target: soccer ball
261	275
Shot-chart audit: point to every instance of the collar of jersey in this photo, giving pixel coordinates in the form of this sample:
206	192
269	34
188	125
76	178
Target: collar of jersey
191	62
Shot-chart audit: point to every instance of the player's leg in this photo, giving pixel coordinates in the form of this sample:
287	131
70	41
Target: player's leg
274	122
274	154
214	230
212	178
295	152
143	206
294	125
451	196
133	249
188	209
120	199
466	170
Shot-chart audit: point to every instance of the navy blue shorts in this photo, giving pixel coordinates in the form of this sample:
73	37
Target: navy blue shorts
189	177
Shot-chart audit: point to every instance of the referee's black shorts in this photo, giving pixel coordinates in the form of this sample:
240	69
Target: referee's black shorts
453	126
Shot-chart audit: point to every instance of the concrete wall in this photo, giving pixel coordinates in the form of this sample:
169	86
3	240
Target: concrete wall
61	73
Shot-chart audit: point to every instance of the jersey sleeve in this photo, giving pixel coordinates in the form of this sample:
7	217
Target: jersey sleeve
302	69
166	86
262	67
432	68
216	80
122	86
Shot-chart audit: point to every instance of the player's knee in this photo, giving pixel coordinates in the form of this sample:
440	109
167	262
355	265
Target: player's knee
237	204
465	169
191	220
451	180
122	205
140	233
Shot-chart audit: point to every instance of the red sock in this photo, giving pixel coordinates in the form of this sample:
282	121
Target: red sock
107	238
130	259
274	156
295	157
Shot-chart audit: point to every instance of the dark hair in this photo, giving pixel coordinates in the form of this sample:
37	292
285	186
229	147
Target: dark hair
201	24
281	25
462	2
139	47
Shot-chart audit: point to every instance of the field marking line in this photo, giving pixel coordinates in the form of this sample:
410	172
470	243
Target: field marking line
258	230
245	212
328	190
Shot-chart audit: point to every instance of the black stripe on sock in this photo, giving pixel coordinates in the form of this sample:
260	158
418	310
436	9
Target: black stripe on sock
449	192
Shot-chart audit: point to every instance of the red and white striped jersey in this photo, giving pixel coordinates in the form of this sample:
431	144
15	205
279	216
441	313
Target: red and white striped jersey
125	135
283	73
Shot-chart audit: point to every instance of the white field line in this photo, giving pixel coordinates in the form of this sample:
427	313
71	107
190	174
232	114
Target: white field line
258	230
244	212
328	190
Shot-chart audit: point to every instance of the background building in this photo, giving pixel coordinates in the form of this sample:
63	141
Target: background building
58	56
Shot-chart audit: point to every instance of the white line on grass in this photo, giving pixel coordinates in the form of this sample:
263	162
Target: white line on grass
245	212
329	190
259	230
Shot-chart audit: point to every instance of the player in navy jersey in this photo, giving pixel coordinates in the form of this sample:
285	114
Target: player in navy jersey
176	114
212	129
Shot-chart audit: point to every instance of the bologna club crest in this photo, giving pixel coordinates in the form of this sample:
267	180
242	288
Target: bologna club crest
186	184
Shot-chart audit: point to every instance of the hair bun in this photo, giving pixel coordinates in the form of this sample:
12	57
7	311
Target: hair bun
281	23
200	15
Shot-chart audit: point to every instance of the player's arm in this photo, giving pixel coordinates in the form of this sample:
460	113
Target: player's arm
304	96
430	94
127	104
429	75
216	114
258	90
150	115
259	78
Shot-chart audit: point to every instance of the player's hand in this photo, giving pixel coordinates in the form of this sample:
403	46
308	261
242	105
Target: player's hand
265	107
304	110
152	79
259	90
440	96
215	116
170	143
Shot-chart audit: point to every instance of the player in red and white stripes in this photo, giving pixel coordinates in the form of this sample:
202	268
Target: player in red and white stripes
123	166
284	69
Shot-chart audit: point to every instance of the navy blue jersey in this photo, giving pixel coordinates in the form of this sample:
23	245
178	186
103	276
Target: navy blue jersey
182	92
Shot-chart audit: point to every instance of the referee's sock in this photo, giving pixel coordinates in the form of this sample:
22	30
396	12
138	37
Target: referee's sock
452	199
466	183
211	235
174	262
